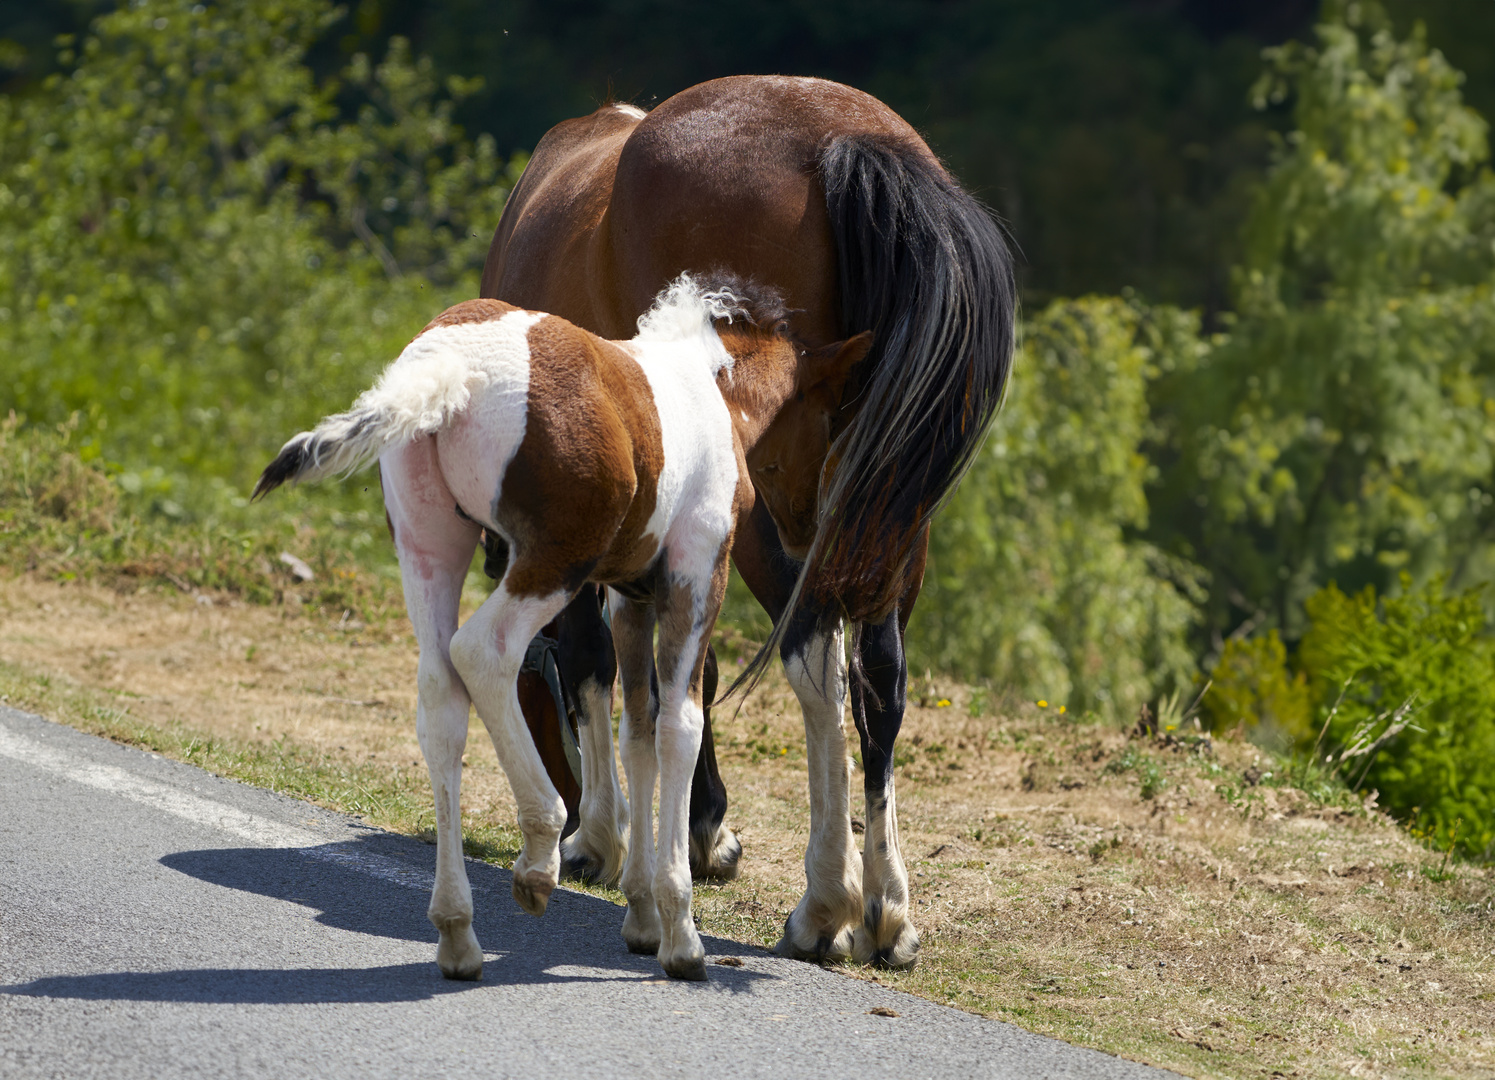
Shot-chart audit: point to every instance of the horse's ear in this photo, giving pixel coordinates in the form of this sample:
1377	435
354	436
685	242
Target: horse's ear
828	368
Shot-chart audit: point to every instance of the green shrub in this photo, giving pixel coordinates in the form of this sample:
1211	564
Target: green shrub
1251	687
1340	428
1420	698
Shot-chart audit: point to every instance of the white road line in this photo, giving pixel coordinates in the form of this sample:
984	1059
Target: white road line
257	830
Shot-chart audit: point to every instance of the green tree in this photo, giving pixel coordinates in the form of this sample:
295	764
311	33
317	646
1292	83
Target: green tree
1344	427
1033	581
200	255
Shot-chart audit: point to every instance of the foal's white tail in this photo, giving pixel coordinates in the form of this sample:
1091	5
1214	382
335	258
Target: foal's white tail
419	394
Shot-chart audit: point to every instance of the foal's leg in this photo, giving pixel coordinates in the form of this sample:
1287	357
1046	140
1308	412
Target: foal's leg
487	652
687	602
886	937
435	547
633	638
820	927
595	851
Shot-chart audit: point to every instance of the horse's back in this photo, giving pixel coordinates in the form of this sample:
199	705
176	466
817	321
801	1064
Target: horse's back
726	174
612	207
543	254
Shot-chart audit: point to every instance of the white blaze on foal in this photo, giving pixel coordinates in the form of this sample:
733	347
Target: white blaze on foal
614	462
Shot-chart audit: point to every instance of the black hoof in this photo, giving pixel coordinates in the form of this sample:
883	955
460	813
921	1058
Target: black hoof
581	868
690	971
822	952
883	959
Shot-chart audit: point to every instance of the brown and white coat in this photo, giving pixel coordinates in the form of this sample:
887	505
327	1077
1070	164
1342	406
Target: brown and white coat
622	463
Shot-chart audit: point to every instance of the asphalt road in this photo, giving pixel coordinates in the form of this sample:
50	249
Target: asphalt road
156	921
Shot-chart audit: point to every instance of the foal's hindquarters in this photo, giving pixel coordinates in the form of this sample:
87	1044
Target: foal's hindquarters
433	490
591	461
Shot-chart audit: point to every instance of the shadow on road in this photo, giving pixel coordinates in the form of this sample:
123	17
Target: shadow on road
577	940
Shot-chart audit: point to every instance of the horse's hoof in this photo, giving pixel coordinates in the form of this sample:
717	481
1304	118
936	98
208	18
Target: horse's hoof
896	948
799	943
459	956
582	868
642	934
690	969
720	861
532	890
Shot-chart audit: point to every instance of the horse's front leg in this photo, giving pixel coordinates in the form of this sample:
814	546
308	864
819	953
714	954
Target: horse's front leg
596	850
820	927
886	937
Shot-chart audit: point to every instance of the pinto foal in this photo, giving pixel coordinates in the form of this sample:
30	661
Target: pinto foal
619	462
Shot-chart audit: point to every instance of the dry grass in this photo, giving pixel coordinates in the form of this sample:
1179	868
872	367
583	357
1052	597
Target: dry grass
1217	927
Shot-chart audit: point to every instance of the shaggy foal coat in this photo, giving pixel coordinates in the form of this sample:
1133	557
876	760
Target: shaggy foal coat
590	460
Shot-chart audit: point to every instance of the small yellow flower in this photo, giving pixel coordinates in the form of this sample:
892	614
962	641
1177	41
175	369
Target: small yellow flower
1043	704
941	703
783	751
1062	710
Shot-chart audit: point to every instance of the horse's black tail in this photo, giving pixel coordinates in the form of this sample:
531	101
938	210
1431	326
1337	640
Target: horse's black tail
925	267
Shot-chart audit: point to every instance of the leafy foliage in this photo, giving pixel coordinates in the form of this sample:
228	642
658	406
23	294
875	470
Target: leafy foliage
1420	704
1343	429
1251	687
1033	580
200	256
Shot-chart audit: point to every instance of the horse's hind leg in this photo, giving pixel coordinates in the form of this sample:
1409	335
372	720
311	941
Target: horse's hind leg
488	651
715	850
595	851
820	927
886	937
435	547
687	601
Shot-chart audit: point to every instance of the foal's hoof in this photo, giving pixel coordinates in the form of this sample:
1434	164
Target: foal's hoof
459	956
717	857
532	890
641	930
691	969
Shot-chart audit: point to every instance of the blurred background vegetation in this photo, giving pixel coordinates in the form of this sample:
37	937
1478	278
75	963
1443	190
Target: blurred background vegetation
1248	443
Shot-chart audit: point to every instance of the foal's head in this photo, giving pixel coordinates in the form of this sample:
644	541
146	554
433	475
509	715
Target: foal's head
784	398
788	459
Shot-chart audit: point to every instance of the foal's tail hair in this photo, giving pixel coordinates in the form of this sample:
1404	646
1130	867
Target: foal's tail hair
419	394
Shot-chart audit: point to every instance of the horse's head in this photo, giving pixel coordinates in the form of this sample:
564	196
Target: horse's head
788	459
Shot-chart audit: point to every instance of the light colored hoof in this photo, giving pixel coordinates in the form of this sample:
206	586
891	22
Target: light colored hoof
888	941
642	933
819	945
532	889
716	859
458	954
581	863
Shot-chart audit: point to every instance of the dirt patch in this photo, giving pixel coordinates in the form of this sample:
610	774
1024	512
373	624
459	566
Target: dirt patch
1171	901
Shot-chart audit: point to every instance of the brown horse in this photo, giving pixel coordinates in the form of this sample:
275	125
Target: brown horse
825	194
622	463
